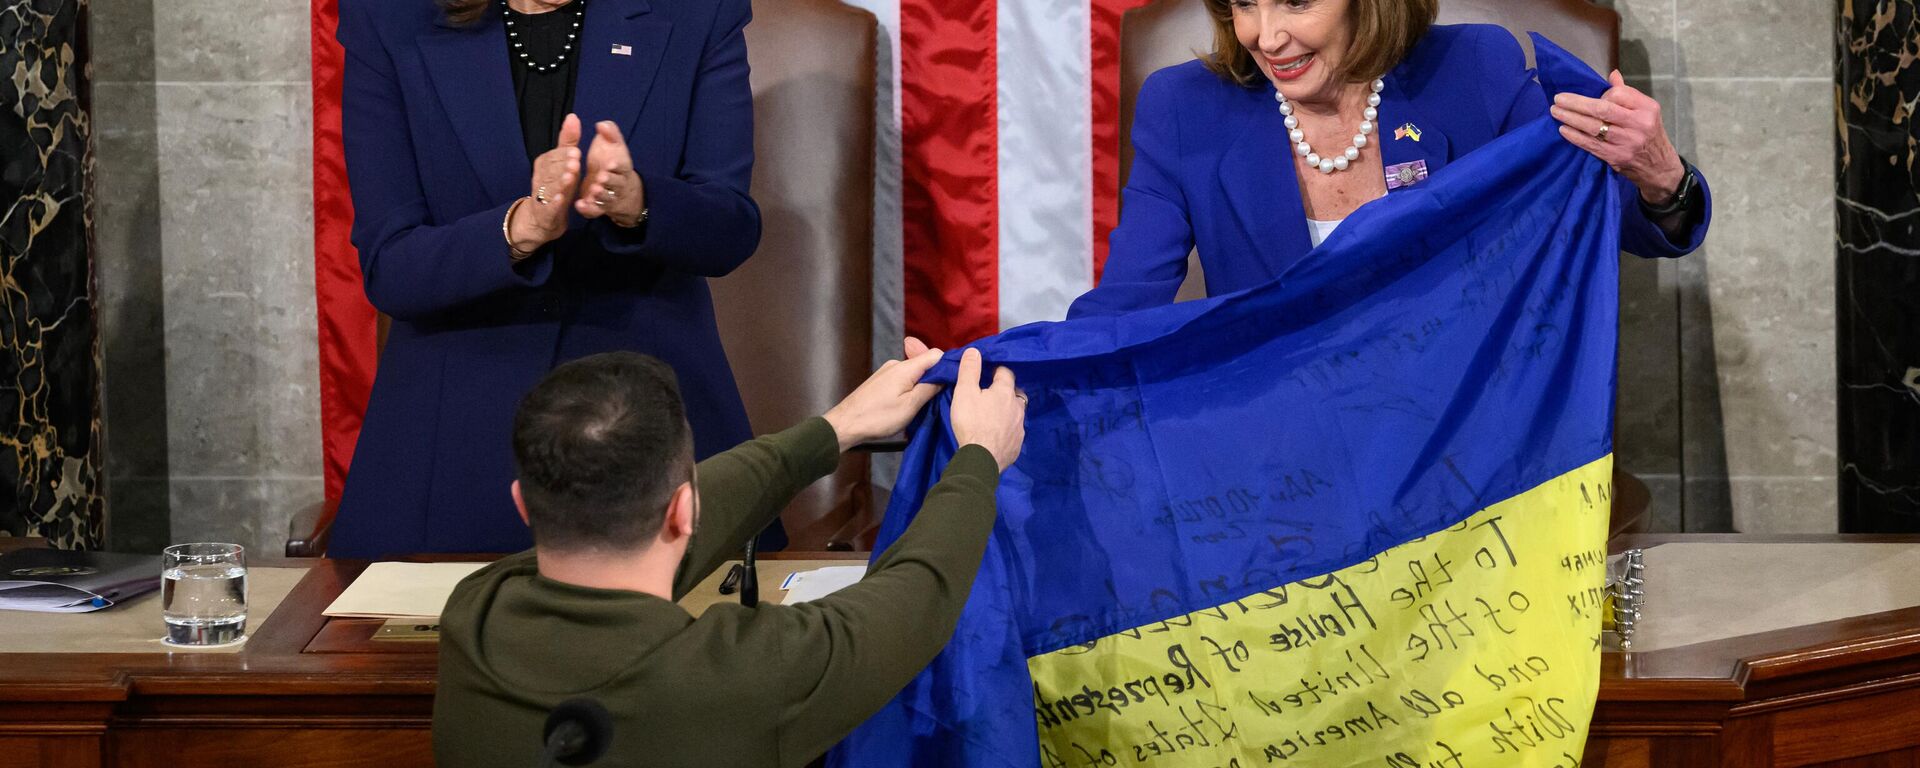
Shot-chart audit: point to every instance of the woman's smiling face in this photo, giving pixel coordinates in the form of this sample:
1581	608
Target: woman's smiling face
1297	43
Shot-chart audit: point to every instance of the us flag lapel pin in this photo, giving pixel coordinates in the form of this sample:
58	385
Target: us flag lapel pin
622	50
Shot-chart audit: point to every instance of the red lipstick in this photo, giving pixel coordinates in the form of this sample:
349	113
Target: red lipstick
1291	68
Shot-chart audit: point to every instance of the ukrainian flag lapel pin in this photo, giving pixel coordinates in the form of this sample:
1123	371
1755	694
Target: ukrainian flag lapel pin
1408	131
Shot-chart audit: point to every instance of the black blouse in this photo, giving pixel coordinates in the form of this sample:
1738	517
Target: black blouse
544	89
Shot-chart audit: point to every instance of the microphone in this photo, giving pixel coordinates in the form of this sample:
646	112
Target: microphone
577	733
750	576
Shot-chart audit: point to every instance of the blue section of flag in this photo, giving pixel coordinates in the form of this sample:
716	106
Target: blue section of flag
1448	347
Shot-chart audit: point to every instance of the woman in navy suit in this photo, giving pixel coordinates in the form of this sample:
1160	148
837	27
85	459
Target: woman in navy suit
1309	109
503	238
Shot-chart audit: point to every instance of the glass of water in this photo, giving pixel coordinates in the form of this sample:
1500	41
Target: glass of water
203	593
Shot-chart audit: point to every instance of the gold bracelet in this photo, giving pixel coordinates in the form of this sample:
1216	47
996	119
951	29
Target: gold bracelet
506	232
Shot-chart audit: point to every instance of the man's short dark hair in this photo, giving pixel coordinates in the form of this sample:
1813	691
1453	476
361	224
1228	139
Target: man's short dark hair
601	444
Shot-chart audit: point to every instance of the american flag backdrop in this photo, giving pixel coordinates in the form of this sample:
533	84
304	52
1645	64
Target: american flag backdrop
997	179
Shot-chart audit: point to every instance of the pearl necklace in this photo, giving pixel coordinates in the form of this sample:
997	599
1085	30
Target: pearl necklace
1341	161
513	36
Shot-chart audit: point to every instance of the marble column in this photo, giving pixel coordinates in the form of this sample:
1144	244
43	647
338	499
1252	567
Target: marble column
1877	83
49	350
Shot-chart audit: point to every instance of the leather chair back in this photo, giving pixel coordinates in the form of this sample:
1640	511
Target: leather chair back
796	319
1582	28
1154	37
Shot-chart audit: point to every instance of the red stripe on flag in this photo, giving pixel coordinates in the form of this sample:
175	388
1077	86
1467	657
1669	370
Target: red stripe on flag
348	346
1108	16
950	191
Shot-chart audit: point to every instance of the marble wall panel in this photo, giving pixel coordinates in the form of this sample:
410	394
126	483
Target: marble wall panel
128	260
1754	38
208	239
1664	512
1742	84
1647	427
201	41
1705	497
49	359
1646	36
123	30
238	283
140	520
1709	500
1878	275
127	267
252	511
1769	281
1782	504
1647	436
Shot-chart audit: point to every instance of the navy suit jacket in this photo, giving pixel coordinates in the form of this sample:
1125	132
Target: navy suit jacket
434	157
1212	166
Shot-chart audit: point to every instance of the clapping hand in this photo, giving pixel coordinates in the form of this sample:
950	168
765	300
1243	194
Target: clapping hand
610	186
556	174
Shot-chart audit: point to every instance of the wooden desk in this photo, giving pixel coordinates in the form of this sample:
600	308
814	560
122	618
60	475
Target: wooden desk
307	691
268	704
1838	694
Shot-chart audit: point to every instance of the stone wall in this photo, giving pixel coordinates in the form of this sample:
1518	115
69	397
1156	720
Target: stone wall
206	269
1730	414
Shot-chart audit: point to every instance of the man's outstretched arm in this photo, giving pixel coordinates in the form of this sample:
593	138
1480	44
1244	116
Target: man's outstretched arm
848	653
743	489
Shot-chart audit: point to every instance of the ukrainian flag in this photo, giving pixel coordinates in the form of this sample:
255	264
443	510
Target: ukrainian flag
1355	517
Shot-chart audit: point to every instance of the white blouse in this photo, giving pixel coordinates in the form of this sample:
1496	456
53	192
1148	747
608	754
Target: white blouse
1318	230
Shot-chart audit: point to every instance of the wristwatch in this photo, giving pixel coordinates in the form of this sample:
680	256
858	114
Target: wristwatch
637	220
1682	197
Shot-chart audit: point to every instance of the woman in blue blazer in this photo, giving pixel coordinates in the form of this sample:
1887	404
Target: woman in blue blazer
503	239
1308	109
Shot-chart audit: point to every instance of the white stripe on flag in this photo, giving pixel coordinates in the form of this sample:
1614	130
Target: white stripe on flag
1046	158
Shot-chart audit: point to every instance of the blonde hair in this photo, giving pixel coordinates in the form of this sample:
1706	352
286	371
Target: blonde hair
1383	32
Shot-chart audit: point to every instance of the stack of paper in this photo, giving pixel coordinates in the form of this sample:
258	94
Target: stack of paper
64	581
806	586
417	591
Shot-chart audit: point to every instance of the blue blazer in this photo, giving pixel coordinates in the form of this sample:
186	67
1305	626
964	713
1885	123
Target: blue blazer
434	157
1212	166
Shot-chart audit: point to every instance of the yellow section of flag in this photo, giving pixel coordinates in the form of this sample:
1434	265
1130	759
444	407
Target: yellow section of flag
1475	646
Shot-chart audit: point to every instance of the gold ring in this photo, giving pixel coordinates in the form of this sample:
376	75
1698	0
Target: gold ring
540	195
612	194
1602	135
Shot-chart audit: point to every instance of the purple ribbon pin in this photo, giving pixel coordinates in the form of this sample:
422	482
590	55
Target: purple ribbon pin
1406	174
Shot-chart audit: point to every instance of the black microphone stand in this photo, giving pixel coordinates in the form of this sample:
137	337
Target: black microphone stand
750	576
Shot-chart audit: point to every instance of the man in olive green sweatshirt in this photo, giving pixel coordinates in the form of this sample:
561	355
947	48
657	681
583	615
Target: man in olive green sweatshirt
624	523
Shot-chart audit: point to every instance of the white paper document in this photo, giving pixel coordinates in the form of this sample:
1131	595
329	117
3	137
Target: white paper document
401	590
806	586
48	598
69	581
